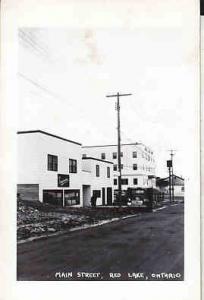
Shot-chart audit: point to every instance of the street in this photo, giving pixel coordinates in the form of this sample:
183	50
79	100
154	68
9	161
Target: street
145	247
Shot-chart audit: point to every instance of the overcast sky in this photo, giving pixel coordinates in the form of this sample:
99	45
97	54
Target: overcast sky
66	73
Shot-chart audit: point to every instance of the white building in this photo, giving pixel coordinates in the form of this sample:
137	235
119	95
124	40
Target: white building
137	163
97	179
51	169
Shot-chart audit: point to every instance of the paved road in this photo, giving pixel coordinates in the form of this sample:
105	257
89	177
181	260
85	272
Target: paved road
147	247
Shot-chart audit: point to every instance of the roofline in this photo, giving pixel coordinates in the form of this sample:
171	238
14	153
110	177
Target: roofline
111	145
49	134
167	178
98	159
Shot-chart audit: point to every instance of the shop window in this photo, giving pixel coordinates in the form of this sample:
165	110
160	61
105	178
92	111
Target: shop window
97	171
52	162
103	156
72	165
53	197
134	154
115	181
114	155
124	181
135	181
108	172
114	167
71	197
134	166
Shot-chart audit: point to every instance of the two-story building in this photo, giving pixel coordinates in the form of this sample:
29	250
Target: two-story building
51	170
137	163
97	180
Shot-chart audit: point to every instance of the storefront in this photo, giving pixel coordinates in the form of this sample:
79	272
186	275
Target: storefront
62	197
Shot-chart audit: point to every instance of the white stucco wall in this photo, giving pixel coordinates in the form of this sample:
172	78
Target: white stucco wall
97	183
33	149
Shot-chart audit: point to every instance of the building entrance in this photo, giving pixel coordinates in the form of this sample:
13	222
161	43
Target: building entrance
109	196
86	190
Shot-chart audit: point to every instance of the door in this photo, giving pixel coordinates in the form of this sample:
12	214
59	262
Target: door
103	196
109	196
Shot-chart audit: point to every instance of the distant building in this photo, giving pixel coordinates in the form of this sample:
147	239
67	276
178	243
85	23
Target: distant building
178	182
137	163
51	170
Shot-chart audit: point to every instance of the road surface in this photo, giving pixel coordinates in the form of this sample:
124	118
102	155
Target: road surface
146	247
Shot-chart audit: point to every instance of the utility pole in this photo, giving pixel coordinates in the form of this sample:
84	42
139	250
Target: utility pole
118	95
169	165
172	173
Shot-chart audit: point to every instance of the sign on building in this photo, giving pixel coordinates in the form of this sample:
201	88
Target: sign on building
63	180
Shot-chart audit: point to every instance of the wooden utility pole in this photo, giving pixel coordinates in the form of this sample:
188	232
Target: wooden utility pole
118	95
169	166
172	173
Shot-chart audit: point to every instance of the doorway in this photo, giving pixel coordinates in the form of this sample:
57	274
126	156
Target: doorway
103	196
86	189
109	196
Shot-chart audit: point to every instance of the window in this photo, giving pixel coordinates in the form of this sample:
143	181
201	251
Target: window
108	172
72	166
121	154
115	181
135	181
54	197
84	155
182	188
114	167
114	155
97	193
52	162
134	166
121	166
103	156
97	171
71	197
134	154
124	181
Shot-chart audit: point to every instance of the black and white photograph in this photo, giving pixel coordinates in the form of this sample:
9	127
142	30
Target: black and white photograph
103	113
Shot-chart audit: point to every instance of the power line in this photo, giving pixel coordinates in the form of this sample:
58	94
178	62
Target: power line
27	38
44	89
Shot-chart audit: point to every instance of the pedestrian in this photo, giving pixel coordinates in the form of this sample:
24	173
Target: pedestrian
93	201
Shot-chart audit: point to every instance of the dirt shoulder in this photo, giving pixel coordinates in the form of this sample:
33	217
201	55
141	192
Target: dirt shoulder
35	218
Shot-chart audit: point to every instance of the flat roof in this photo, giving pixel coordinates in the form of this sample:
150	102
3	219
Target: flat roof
49	134
98	159
111	145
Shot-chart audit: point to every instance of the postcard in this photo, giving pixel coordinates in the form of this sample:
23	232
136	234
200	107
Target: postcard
101	149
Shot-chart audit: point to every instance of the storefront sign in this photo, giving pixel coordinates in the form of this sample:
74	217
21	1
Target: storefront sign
63	180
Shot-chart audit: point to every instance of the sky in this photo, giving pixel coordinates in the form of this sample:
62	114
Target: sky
66	72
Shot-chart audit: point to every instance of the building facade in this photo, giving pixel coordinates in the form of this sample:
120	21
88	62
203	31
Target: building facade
179	188
51	170
137	163
97	180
